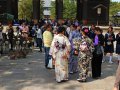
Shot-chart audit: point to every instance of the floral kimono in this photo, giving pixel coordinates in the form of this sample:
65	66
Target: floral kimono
59	50
84	47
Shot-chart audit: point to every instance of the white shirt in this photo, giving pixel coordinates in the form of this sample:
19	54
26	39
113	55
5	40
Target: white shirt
39	33
68	30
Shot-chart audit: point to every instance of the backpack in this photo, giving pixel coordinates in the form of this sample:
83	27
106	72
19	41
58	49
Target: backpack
84	46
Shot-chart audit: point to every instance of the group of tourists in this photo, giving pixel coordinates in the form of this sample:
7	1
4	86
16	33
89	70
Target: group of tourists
23	35
74	47
71	46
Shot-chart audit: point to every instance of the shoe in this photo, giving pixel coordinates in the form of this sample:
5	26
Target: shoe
71	72
81	80
78	79
64	80
47	67
103	61
110	62
58	81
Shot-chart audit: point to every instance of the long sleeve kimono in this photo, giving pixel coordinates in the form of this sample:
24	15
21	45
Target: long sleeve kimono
84	57
59	50
73	61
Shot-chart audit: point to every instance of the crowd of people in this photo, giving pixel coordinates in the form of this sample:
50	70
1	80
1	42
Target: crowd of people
71	46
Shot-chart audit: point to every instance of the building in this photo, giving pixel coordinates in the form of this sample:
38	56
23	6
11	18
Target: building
46	6
93	11
10	7
96	11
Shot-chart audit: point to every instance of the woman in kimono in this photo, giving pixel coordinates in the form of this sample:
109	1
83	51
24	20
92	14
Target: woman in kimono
73	61
60	49
84	47
109	45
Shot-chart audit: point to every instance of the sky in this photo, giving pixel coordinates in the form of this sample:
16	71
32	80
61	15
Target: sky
112	0
116	0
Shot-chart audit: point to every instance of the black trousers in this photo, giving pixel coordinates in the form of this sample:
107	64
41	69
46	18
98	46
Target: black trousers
96	65
39	43
11	43
1	46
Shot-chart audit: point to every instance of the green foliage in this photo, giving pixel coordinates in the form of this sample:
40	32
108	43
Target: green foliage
114	8
25	8
53	10
69	9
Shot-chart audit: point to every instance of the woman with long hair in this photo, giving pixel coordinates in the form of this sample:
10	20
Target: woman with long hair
97	54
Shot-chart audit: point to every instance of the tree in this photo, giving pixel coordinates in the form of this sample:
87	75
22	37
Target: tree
114	8
53	9
26	9
69	9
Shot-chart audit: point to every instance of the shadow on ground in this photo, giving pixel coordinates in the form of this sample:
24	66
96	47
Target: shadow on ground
30	74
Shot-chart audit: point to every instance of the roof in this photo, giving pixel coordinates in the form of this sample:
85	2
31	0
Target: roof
99	5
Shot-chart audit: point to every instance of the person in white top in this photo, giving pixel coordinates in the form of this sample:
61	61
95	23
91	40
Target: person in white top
39	38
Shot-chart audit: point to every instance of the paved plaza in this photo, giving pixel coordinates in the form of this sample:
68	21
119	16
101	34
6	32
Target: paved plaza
30	74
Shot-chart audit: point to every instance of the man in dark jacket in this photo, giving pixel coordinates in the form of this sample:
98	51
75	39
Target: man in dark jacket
10	35
1	38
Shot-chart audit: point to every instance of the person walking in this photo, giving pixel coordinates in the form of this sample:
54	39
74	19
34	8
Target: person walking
10	35
47	40
97	54
118	46
39	38
109	45
60	49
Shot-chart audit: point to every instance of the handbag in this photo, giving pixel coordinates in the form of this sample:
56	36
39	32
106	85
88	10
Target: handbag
98	50
50	64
